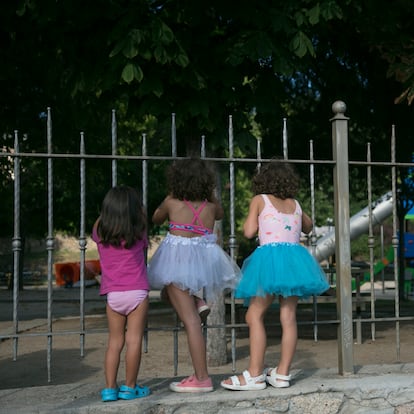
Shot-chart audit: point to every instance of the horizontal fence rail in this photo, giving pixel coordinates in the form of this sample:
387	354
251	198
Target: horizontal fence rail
353	309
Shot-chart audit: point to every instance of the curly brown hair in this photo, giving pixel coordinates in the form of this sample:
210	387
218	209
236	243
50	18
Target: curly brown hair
278	178
191	179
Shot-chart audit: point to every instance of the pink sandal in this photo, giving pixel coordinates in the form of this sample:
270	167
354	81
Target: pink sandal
192	384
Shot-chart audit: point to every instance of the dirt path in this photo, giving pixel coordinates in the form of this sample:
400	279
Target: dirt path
68	366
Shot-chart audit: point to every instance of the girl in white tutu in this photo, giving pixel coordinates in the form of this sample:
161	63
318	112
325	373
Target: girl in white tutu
189	259
280	267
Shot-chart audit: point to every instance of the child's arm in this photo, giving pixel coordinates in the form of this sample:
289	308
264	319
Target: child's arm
251	225
161	213
95	229
307	224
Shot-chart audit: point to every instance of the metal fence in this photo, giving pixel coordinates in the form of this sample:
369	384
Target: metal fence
335	243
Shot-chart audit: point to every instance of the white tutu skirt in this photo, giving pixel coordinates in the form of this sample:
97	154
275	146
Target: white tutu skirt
193	263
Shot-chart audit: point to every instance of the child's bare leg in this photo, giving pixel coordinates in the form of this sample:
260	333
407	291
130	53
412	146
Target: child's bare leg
257	336
289	333
257	333
116	338
135	331
185	307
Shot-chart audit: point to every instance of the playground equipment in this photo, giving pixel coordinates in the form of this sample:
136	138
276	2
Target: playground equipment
359	223
388	259
68	274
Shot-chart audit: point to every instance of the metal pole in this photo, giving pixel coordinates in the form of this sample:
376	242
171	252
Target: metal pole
371	241
16	243
114	134
145	205
49	244
82	246
144	173
313	235
232	238
173	136
203	147
343	239
395	241
285	139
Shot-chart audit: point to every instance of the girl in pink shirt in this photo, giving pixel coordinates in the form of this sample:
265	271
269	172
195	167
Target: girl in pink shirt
120	234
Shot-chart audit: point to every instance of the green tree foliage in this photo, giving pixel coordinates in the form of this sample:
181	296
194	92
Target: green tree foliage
204	61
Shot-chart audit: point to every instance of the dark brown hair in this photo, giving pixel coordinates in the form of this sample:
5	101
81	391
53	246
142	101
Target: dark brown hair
191	179
122	218
278	178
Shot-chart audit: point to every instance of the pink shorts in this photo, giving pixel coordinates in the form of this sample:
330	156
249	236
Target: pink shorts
127	301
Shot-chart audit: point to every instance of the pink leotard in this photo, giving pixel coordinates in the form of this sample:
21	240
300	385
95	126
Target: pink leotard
275	226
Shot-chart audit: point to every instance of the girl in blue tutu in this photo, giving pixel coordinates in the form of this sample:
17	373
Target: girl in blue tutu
189	259
279	267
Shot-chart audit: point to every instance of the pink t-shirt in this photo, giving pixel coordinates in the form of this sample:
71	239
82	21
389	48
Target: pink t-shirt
122	269
277	227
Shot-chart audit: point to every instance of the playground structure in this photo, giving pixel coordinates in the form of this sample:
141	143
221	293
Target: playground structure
381	210
359	224
68	274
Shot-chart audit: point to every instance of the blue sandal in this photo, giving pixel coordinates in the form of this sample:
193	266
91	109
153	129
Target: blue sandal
128	393
109	394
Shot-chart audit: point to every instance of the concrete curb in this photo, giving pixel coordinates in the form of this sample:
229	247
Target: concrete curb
379	389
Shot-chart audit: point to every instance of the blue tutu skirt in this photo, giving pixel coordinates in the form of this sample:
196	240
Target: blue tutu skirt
193	263
285	269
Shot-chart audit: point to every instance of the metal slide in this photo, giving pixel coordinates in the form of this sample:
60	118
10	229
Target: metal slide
381	209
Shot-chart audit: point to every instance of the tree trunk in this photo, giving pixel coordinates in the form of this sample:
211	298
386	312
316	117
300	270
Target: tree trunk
216	338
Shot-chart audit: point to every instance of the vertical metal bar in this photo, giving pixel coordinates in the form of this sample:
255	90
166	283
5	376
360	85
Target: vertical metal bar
114	135
395	241
174	154
342	236
313	235
49	243
259	154
16	243
232	189
203	147
145	205
82	246
203	155
285	139
175	350
232	238
173	136
382	255
144	173
371	240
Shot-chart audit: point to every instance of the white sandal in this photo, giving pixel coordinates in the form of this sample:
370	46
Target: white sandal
252	383
277	380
